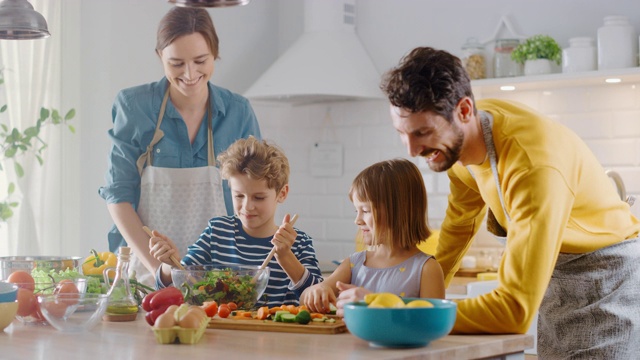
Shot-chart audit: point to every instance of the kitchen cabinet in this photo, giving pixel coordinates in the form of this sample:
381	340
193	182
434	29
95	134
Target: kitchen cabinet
556	81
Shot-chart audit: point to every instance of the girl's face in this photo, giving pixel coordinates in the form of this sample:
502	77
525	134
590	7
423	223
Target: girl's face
364	220
188	64
255	204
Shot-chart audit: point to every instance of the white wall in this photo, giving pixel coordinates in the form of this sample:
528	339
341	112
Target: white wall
117	39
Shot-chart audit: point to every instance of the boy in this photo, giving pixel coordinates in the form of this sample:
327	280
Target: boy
258	175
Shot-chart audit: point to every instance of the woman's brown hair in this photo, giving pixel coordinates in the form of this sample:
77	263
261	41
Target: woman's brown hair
181	21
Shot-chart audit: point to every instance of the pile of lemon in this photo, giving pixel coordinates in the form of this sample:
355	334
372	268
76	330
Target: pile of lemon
389	300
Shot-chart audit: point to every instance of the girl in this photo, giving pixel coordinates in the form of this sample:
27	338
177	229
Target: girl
391	212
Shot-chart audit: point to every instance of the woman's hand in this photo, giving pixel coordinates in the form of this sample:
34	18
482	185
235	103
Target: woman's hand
162	248
318	298
349	293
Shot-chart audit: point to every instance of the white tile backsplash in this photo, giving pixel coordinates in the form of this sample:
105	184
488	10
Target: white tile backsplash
606	117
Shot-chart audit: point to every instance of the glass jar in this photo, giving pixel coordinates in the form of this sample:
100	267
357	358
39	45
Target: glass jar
503	65
617	46
473	59
121	303
581	55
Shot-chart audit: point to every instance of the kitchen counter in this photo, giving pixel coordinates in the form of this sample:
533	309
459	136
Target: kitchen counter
135	340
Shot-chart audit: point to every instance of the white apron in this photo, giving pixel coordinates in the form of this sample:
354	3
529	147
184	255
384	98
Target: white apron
178	202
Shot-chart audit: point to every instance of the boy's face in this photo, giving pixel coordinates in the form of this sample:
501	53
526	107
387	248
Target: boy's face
255	204
364	219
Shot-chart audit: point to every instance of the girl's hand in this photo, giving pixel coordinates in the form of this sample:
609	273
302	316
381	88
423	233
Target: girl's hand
349	293
162	248
318	298
284	237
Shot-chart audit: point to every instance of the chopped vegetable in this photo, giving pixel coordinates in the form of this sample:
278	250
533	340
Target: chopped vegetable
227	286
303	317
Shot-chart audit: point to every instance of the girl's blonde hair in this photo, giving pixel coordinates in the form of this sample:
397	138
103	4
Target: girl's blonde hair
395	189
258	159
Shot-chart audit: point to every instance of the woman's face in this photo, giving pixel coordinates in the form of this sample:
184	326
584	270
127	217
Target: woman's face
364	220
255	204
188	64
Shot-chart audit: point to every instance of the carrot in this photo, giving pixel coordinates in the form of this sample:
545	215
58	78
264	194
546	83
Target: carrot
263	313
317	315
302	307
292	309
274	310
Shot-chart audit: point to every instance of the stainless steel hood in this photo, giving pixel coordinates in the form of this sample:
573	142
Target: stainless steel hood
327	63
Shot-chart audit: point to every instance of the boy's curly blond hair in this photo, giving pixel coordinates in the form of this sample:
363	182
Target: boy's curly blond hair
258	159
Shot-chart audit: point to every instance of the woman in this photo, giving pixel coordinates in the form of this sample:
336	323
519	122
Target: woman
165	136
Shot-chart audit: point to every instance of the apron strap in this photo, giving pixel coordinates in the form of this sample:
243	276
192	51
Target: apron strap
147	156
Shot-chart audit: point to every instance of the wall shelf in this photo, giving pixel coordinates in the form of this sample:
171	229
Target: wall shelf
557	80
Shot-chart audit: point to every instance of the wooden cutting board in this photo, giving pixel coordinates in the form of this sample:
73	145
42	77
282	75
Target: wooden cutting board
269	325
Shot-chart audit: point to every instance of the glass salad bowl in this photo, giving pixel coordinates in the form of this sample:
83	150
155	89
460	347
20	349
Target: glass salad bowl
242	285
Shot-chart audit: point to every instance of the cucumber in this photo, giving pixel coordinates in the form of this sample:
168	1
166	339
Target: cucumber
278	316
288	318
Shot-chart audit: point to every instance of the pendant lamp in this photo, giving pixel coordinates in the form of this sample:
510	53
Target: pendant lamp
209	3
19	21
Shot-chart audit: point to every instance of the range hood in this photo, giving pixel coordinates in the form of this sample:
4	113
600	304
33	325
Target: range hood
327	63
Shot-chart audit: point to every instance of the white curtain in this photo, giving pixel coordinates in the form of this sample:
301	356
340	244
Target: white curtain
32	80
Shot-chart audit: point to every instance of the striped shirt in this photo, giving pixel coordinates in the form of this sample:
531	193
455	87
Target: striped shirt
224	242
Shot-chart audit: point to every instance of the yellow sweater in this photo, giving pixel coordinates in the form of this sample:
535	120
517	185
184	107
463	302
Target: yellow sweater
558	199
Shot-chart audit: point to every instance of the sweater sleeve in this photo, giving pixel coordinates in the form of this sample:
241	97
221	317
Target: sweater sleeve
539	202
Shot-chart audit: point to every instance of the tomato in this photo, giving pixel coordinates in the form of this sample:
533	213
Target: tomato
232	306
211	308
166	296
26	302
224	311
23	279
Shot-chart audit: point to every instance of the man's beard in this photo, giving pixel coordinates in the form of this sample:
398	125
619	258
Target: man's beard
451	154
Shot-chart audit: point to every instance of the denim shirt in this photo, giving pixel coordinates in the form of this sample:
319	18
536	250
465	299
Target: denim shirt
135	114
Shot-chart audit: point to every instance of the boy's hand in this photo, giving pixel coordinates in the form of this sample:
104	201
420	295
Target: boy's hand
162	248
284	237
318	298
348	293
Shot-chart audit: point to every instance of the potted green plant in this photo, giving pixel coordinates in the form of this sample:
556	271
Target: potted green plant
537	53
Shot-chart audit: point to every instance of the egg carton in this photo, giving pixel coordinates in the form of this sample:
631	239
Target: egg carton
180	335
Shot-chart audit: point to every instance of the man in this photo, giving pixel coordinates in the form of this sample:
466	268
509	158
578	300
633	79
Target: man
571	243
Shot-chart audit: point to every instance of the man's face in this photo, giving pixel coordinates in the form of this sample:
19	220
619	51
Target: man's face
429	135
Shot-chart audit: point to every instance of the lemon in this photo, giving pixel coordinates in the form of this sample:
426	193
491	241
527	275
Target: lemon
385	300
419	303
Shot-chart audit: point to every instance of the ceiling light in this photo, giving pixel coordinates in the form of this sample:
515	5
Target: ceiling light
209	3
19	21
613	80
507	88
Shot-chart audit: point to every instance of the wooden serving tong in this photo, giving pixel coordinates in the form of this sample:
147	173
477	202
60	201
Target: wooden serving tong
175	261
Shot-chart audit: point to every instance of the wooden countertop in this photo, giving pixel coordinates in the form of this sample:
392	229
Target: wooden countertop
135	340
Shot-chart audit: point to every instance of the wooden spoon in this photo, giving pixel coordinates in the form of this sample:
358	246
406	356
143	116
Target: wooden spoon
292	221
173	258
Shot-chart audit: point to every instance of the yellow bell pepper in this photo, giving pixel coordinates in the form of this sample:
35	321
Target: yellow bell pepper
95	263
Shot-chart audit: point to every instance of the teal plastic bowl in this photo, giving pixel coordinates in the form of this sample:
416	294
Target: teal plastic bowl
8	292
400	327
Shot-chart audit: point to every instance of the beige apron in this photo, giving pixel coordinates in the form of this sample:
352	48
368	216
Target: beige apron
178	202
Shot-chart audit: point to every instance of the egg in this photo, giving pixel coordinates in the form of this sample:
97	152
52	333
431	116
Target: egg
190	320
165	321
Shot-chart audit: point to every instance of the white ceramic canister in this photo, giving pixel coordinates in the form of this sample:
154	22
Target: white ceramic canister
617	45
581	55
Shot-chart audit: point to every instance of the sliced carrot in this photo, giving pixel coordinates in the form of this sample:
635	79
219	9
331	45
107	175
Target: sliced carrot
302	307
263	313
241	317
317	315
292	309
275	309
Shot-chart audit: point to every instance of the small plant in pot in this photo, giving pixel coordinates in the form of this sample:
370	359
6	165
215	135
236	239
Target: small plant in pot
537	53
